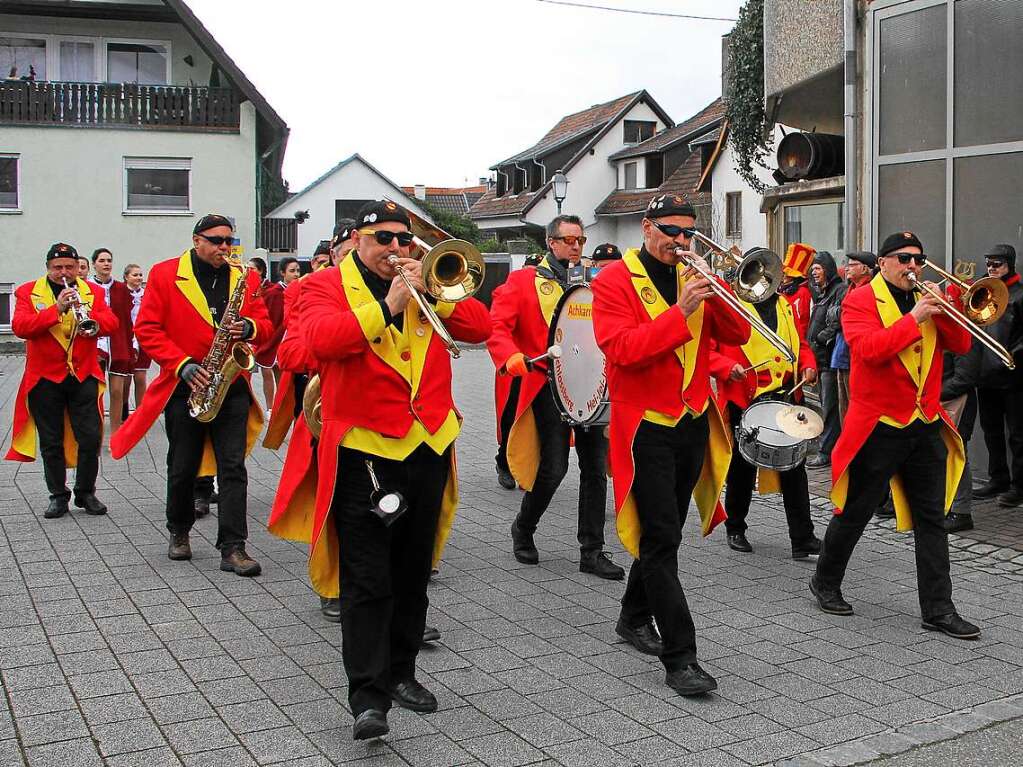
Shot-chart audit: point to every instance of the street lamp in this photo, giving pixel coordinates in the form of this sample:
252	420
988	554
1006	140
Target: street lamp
560	181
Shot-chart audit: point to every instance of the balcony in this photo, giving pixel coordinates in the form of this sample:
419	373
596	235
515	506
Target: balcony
119	105
279	235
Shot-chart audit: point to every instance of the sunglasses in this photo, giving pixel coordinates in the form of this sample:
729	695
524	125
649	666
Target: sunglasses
905	258
996	264
670	230
386	238
218	241
571	240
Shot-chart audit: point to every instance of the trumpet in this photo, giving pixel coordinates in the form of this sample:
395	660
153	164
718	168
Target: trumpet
85	326
756	279
962	319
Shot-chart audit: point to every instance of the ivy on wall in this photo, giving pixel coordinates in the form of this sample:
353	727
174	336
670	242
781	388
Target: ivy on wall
744	96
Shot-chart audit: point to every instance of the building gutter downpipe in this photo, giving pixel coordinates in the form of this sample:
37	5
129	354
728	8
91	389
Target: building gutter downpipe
852	234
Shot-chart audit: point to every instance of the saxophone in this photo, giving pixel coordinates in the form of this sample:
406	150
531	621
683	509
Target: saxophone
225	359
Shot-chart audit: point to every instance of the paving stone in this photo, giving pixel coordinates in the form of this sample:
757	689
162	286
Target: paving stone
124	737
587	753
503	749
51	727
68	753
252	715
199	735
431	751
278	745
153	757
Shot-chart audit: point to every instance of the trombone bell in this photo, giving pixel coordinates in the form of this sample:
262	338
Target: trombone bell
986	300
757	276
453	270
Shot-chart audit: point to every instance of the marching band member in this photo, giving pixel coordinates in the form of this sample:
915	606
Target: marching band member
654	323
389	424
62	379
538	439
795	267
185	300
273	299
604	255
744	375
896	433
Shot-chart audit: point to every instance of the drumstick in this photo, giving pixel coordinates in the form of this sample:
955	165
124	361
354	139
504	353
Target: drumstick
553	353
754	367
797	387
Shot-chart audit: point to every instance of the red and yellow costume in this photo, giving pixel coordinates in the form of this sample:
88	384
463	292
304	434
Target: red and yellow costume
273	299
798	259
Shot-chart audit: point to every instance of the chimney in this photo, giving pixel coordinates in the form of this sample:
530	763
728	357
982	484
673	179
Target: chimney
484	181
420	192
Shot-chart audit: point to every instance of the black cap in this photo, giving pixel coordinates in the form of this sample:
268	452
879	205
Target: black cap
61	250
342	231
379	211
864	257
670	205
898	240
322	249
1002	252
607	252
211	221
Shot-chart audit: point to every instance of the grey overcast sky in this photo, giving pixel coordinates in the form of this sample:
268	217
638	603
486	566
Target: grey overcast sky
437	91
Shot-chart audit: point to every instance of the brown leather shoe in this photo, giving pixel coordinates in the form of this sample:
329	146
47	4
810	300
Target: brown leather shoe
236	561
179	547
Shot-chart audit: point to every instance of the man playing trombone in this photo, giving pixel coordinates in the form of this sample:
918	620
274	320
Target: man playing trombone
896	432
387	489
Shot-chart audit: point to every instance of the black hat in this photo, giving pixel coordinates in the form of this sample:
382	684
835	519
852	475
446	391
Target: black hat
61	250
607	252
379	211
898	240
865	257
342	231
322	249
1002	252
670	205
211	221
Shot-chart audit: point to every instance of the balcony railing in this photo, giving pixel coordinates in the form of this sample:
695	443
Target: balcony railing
119	105
279	235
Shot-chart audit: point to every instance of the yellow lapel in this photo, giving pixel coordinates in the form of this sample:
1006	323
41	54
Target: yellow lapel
189	287
916	357
42	299
548	292
757	349
419	331
385	345
655	305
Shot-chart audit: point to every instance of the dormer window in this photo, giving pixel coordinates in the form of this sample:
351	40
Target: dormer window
638	130
630	175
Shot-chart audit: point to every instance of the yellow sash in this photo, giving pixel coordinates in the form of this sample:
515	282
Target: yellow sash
189	286
548	292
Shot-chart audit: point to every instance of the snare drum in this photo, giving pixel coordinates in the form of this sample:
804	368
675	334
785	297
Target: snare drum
763	443
577	379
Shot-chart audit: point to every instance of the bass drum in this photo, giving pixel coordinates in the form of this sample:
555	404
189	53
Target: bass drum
761	440
577	378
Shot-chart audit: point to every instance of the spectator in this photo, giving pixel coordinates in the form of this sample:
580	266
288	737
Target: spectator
959	378
860	267
828	292
1000	397
134	279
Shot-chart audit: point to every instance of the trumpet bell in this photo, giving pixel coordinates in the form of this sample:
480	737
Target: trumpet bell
453	270
758	276
986	300
88	328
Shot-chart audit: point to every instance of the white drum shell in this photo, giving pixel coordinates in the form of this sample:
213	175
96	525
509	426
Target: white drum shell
762	443
577	379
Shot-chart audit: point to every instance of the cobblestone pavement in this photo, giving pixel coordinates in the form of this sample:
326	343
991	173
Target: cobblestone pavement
111	654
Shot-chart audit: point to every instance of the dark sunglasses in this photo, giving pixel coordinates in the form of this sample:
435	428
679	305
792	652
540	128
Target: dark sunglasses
905	258
571	239
996	263
670	230
218	241
386	238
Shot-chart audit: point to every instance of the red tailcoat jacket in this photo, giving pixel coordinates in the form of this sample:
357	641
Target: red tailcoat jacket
51	354
644	342
343	327
174	326
273	298
894	372
800	300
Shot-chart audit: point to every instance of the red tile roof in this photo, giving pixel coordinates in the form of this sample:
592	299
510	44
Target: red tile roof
507	205
683	181
710	116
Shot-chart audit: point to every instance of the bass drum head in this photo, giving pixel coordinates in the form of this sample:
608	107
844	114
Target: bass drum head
577	378
762	443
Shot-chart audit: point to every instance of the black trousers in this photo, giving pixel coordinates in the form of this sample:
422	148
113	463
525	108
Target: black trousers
47	402
1001	409
507	421
591	447
384	570
795	494
185	437
668	462
918	455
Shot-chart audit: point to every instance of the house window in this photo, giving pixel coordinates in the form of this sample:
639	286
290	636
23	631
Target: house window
157	185
819	225
142	63
733	214
77	61
6	305
630	175
654	171
638	130
9	199
22	58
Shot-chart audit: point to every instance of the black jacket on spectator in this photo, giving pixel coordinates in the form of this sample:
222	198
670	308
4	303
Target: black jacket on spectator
1008	331
825	324
959	375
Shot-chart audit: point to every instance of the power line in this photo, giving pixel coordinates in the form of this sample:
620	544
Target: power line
637	12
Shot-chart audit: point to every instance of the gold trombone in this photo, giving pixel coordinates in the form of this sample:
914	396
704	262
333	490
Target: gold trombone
757	277
984	301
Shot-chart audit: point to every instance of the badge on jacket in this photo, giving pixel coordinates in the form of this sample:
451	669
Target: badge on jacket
647	294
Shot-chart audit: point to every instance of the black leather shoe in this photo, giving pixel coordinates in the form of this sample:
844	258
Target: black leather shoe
644	638
91	504
56	508
819	461
179	547
202	507
235	560
522	546
413	696
599	563
505	478
431	634
990	490
810	548
953	625
691	680
886	510
1010	498
738	542
955	523
829	600
330	609
371	723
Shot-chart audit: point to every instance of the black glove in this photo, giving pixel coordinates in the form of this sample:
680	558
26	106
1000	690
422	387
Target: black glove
188	371
250	328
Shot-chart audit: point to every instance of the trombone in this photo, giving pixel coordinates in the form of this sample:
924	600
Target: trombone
757	277
984	301
963	319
